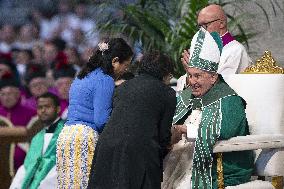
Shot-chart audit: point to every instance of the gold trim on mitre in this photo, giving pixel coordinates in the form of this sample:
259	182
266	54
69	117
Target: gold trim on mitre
265	65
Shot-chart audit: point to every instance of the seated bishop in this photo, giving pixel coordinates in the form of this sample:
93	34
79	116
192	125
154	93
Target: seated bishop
207	111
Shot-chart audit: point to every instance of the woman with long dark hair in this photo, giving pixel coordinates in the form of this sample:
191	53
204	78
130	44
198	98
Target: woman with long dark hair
90	104
131	148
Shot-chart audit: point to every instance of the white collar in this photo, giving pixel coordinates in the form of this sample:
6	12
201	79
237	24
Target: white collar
47	127
224	33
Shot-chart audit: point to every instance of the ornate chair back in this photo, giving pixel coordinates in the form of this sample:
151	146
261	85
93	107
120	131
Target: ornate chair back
264	95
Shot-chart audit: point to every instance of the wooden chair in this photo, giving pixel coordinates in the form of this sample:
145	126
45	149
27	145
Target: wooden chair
32	128
6	157
9	137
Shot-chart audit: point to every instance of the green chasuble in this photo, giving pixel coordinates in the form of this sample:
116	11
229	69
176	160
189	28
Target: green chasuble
38	165
223	117
237	166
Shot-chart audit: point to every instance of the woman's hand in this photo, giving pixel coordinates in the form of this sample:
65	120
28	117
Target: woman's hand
177	131
181	128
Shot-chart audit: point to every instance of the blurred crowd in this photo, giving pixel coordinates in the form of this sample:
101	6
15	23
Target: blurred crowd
45	53
42	55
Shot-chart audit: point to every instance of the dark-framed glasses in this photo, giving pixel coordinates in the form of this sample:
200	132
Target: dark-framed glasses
206	24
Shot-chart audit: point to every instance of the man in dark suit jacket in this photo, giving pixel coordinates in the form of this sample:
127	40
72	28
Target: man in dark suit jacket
131	148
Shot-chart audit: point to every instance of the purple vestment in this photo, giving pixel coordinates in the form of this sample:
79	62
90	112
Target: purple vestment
227	38
20	116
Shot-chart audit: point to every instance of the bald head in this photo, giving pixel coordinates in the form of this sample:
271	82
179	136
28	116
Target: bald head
214	11
213	18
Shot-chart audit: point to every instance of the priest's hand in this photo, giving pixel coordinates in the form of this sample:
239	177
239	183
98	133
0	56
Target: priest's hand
185	58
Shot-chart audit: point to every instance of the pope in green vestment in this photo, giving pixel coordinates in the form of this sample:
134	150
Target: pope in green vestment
208	111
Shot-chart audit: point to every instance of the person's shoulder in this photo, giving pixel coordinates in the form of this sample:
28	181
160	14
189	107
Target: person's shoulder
168	91
167	88
234	46
106	78
99	75
145	80
61	121
2	109
26	109
171	96
233	101
150	83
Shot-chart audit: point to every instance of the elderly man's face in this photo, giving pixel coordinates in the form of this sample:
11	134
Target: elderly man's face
209	22
9	96
38	86
63	85
200	81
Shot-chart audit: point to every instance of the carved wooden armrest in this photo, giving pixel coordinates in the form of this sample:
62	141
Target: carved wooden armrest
13	134
19	133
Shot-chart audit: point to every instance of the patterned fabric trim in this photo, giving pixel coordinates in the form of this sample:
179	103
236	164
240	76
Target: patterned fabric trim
203	106
181	110
205	65
184	104
208	133
75	150
200	63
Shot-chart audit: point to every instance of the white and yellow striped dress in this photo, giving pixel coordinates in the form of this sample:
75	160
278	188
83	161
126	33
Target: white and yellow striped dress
75	150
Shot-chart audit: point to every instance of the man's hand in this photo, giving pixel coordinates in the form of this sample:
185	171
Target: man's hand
185	58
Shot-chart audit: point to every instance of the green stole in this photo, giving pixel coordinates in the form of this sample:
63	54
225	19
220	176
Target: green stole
37	166
209	128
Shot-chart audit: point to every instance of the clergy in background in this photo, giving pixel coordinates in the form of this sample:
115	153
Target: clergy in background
39	170
11	107
234	58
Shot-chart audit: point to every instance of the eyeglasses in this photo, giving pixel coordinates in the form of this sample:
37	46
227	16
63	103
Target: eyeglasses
205	25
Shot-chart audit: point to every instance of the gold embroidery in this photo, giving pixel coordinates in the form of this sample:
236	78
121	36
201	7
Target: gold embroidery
277	182
220	175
